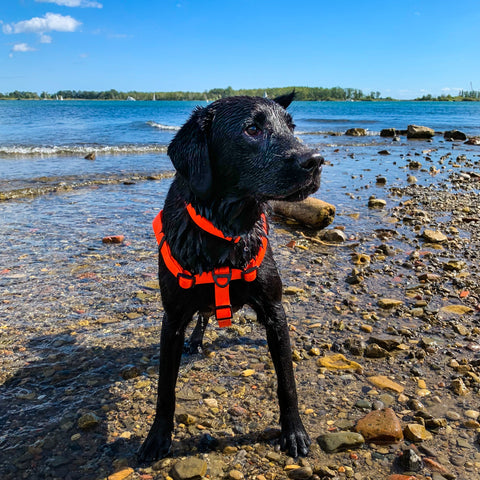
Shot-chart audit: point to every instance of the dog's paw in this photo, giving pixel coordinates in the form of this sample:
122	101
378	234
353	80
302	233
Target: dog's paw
154	447
295	440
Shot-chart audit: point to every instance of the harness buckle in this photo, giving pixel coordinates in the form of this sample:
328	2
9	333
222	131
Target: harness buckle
250	274
185	280
222	276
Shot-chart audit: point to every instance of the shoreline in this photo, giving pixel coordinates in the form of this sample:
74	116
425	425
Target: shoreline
80	327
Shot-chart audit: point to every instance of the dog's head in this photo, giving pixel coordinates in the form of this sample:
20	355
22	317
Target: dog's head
245	147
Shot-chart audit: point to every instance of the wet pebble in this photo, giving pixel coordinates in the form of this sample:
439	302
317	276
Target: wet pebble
88	420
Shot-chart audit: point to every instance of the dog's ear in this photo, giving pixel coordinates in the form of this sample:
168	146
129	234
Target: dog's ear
285	100
189	153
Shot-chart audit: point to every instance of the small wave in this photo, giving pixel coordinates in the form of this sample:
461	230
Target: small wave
163	127
78	150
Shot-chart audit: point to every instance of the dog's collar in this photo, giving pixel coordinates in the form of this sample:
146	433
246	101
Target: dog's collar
220	277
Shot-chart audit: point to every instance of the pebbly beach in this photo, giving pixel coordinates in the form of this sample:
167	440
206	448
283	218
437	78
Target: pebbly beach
383	305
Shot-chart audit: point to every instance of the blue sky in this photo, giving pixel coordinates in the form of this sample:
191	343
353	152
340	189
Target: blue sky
402	49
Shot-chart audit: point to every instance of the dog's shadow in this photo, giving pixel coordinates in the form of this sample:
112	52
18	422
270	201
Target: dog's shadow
43	405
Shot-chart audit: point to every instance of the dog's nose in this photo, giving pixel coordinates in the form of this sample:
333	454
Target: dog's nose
311	161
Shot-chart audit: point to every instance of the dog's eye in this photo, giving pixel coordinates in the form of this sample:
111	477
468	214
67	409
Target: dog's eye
253	131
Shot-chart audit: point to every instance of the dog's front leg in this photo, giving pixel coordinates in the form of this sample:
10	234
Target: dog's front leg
159	439
294	438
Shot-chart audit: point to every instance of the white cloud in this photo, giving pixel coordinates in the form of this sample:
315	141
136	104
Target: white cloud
45	38
22	47
51	22
73	3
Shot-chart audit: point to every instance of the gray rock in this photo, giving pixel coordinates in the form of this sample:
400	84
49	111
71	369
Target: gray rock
333	235
410	461
338	441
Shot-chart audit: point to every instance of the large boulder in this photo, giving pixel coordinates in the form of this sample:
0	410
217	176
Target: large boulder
356	132
417	131
311	211
452	135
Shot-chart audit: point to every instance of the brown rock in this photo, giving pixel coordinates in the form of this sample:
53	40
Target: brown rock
90	156
380	426
189	469
311	211
382	381
433	236
434	466
387	303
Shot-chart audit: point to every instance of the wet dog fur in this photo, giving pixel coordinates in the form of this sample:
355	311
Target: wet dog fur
231	157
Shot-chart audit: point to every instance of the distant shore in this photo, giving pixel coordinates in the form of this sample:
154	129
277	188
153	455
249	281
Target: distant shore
302	94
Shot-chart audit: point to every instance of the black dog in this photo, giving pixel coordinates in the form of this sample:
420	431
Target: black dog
231	157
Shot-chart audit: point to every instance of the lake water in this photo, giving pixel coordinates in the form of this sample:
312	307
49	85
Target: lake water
47	140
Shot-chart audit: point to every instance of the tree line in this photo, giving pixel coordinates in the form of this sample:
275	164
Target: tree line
302	94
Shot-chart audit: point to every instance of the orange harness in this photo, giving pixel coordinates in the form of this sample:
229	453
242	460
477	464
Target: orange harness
221	276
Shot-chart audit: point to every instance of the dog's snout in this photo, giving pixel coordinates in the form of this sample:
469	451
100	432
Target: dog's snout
311	161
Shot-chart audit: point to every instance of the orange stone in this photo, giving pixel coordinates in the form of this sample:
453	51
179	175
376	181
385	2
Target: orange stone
380	426
113	239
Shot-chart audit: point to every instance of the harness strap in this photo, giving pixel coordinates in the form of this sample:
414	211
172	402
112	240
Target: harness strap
207	225
220	277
